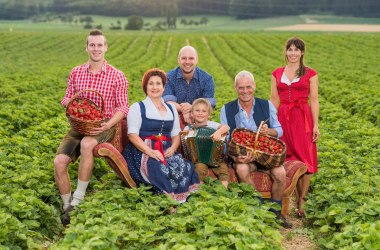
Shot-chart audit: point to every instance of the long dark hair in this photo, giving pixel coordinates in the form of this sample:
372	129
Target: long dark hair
301	46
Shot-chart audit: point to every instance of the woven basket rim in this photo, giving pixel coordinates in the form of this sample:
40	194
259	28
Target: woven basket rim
256	150
80	125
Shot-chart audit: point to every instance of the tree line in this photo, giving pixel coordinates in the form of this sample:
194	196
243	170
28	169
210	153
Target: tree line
241	9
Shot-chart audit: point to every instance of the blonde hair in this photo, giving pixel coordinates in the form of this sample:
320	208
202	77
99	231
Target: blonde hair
203	101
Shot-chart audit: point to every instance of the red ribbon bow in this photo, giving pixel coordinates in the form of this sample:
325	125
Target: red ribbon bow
299	103
158	144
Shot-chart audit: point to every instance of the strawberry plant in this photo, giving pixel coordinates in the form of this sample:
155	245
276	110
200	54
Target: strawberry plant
343	205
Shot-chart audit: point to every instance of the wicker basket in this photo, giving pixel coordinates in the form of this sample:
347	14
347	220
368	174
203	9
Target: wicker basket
267	160
84	127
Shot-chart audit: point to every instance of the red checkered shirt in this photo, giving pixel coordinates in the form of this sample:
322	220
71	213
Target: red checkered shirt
110	83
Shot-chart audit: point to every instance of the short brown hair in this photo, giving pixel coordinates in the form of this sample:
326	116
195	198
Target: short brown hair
96	33
203	101
153	72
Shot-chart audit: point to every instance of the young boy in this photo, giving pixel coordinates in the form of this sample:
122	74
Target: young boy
201	112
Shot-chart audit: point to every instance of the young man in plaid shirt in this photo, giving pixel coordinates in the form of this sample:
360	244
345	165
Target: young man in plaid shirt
112	85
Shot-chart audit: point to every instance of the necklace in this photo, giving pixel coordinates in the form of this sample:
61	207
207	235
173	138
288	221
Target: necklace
159	106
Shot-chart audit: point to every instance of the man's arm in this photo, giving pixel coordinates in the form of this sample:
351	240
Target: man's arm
169	94
121	107
275	130
69	90
122	95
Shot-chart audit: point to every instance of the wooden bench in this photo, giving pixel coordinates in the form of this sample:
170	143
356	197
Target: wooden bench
263	183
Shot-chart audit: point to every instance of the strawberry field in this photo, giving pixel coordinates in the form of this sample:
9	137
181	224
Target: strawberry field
343	207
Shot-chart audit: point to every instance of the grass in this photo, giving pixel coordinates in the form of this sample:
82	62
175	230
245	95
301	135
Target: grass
215	24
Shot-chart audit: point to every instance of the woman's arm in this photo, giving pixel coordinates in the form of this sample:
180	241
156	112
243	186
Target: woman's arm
314	105
274	97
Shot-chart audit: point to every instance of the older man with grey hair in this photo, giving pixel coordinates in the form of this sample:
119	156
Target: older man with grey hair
248	111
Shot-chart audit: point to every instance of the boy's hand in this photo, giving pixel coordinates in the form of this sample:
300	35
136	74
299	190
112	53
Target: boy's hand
216	136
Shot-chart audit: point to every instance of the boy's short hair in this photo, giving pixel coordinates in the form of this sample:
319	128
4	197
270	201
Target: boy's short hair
204	101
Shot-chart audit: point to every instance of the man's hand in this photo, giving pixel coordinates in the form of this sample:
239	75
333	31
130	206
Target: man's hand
103	127
187	117
249	157
185	107
264	129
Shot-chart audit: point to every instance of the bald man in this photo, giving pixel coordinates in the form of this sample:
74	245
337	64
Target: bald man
186	83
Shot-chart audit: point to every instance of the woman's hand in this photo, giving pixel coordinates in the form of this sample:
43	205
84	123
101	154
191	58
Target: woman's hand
169	152
316	134
155	154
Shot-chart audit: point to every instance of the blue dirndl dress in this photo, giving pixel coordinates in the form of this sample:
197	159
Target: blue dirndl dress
177	178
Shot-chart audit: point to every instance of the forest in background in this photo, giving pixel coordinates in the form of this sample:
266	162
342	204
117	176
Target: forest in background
241	9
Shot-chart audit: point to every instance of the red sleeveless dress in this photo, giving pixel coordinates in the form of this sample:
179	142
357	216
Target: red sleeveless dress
294	114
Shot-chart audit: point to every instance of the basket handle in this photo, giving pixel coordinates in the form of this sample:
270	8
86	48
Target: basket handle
257	134
87	90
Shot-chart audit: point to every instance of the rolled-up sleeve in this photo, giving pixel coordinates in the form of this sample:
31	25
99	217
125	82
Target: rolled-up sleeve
168	94
223	117
275	124
122	94
134	119
209	90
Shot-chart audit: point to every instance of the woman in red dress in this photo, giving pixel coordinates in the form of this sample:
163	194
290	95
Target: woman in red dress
294	92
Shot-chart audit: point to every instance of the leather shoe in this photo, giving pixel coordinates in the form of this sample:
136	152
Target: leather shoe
280	217
65	218
283	223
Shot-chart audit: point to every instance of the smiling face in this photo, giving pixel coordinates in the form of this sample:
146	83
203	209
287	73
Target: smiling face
155	87
96	48
245	88
293	54
187	59
200	113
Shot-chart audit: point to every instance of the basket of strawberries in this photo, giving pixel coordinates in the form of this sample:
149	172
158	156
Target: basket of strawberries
83	114
268	151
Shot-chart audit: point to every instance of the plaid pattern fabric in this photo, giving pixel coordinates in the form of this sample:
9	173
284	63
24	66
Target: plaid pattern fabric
110	83
269	161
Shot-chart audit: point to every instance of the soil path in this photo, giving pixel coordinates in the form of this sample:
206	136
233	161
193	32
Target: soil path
297	237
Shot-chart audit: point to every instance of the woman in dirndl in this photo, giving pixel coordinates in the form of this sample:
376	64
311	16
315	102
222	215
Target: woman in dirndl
294	93
153	132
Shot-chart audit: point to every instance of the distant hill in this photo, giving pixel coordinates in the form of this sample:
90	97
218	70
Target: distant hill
241	9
